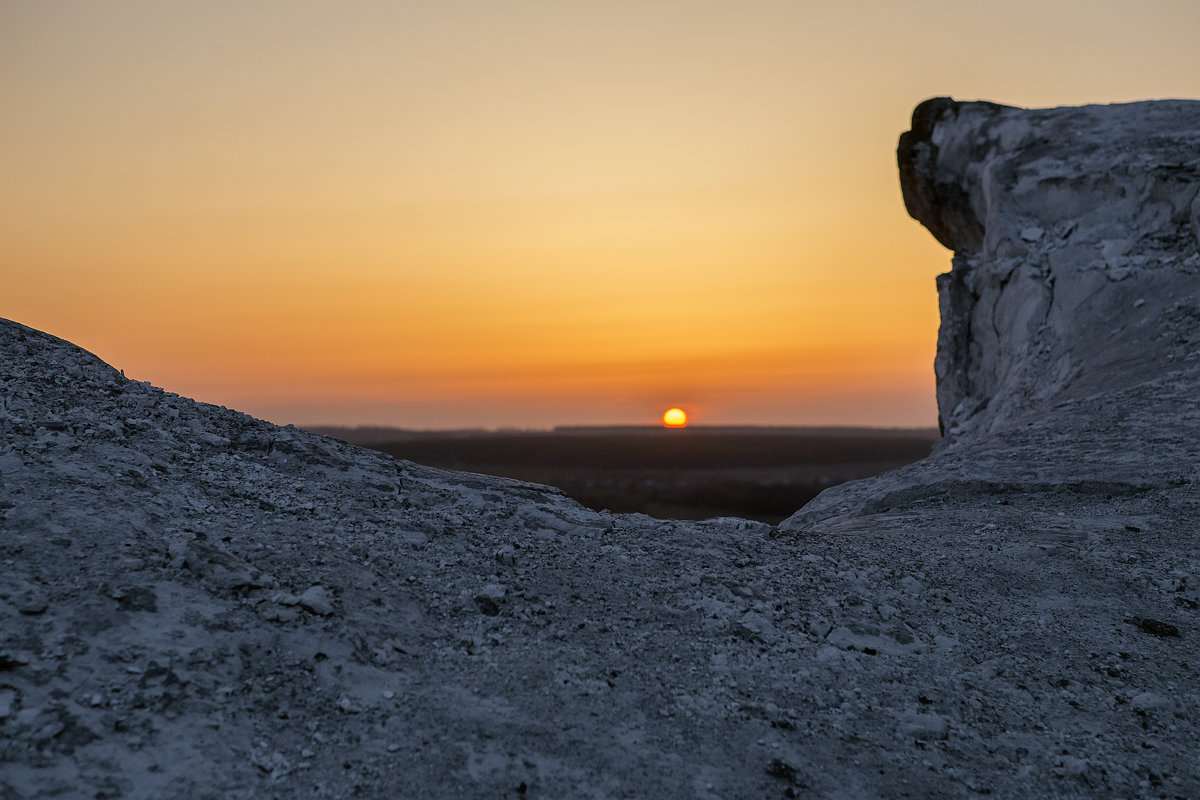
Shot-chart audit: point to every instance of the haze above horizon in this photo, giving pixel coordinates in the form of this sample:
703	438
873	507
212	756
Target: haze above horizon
529	214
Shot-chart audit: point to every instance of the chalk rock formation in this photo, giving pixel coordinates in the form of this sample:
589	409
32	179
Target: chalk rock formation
198	604
1069	350
1076	239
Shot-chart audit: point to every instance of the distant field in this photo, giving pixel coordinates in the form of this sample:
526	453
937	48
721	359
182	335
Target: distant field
696	473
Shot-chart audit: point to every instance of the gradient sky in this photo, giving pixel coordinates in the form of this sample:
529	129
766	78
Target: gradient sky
481	213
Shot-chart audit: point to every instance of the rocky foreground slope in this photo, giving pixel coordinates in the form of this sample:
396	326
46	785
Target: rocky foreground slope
195	603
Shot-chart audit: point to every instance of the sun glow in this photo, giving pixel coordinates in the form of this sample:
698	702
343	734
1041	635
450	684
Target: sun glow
561	229
675	418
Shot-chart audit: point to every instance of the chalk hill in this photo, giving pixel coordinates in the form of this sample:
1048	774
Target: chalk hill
195	603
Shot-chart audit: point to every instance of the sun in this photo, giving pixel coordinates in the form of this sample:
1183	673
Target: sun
675	418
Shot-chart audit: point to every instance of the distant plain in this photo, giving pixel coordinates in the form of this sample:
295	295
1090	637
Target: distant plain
760	473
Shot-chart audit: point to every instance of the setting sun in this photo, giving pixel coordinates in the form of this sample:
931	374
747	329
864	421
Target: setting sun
675	418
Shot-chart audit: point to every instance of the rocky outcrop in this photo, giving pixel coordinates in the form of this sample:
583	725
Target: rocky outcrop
1068	358
1076	239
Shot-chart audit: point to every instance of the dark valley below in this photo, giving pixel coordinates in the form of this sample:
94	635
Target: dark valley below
760	473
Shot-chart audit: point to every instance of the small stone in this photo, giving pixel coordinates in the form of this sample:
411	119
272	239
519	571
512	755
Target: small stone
135	598
47	727
12	659
506	556
1148	701
753	626
1032	233
31	602
284	615
316	600
8	702
212	439
493	591
273	764
388	694
926	726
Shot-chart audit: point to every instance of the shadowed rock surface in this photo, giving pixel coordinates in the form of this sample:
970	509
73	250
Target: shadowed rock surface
195	603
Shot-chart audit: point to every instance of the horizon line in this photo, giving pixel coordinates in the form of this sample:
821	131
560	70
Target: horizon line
621	426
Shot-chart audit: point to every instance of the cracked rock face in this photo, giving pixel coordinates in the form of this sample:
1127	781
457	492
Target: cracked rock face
1076	239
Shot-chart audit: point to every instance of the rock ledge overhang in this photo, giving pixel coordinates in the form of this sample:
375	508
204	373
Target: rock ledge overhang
1076	239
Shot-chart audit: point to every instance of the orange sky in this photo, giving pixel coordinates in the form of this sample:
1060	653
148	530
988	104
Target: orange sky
515	213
